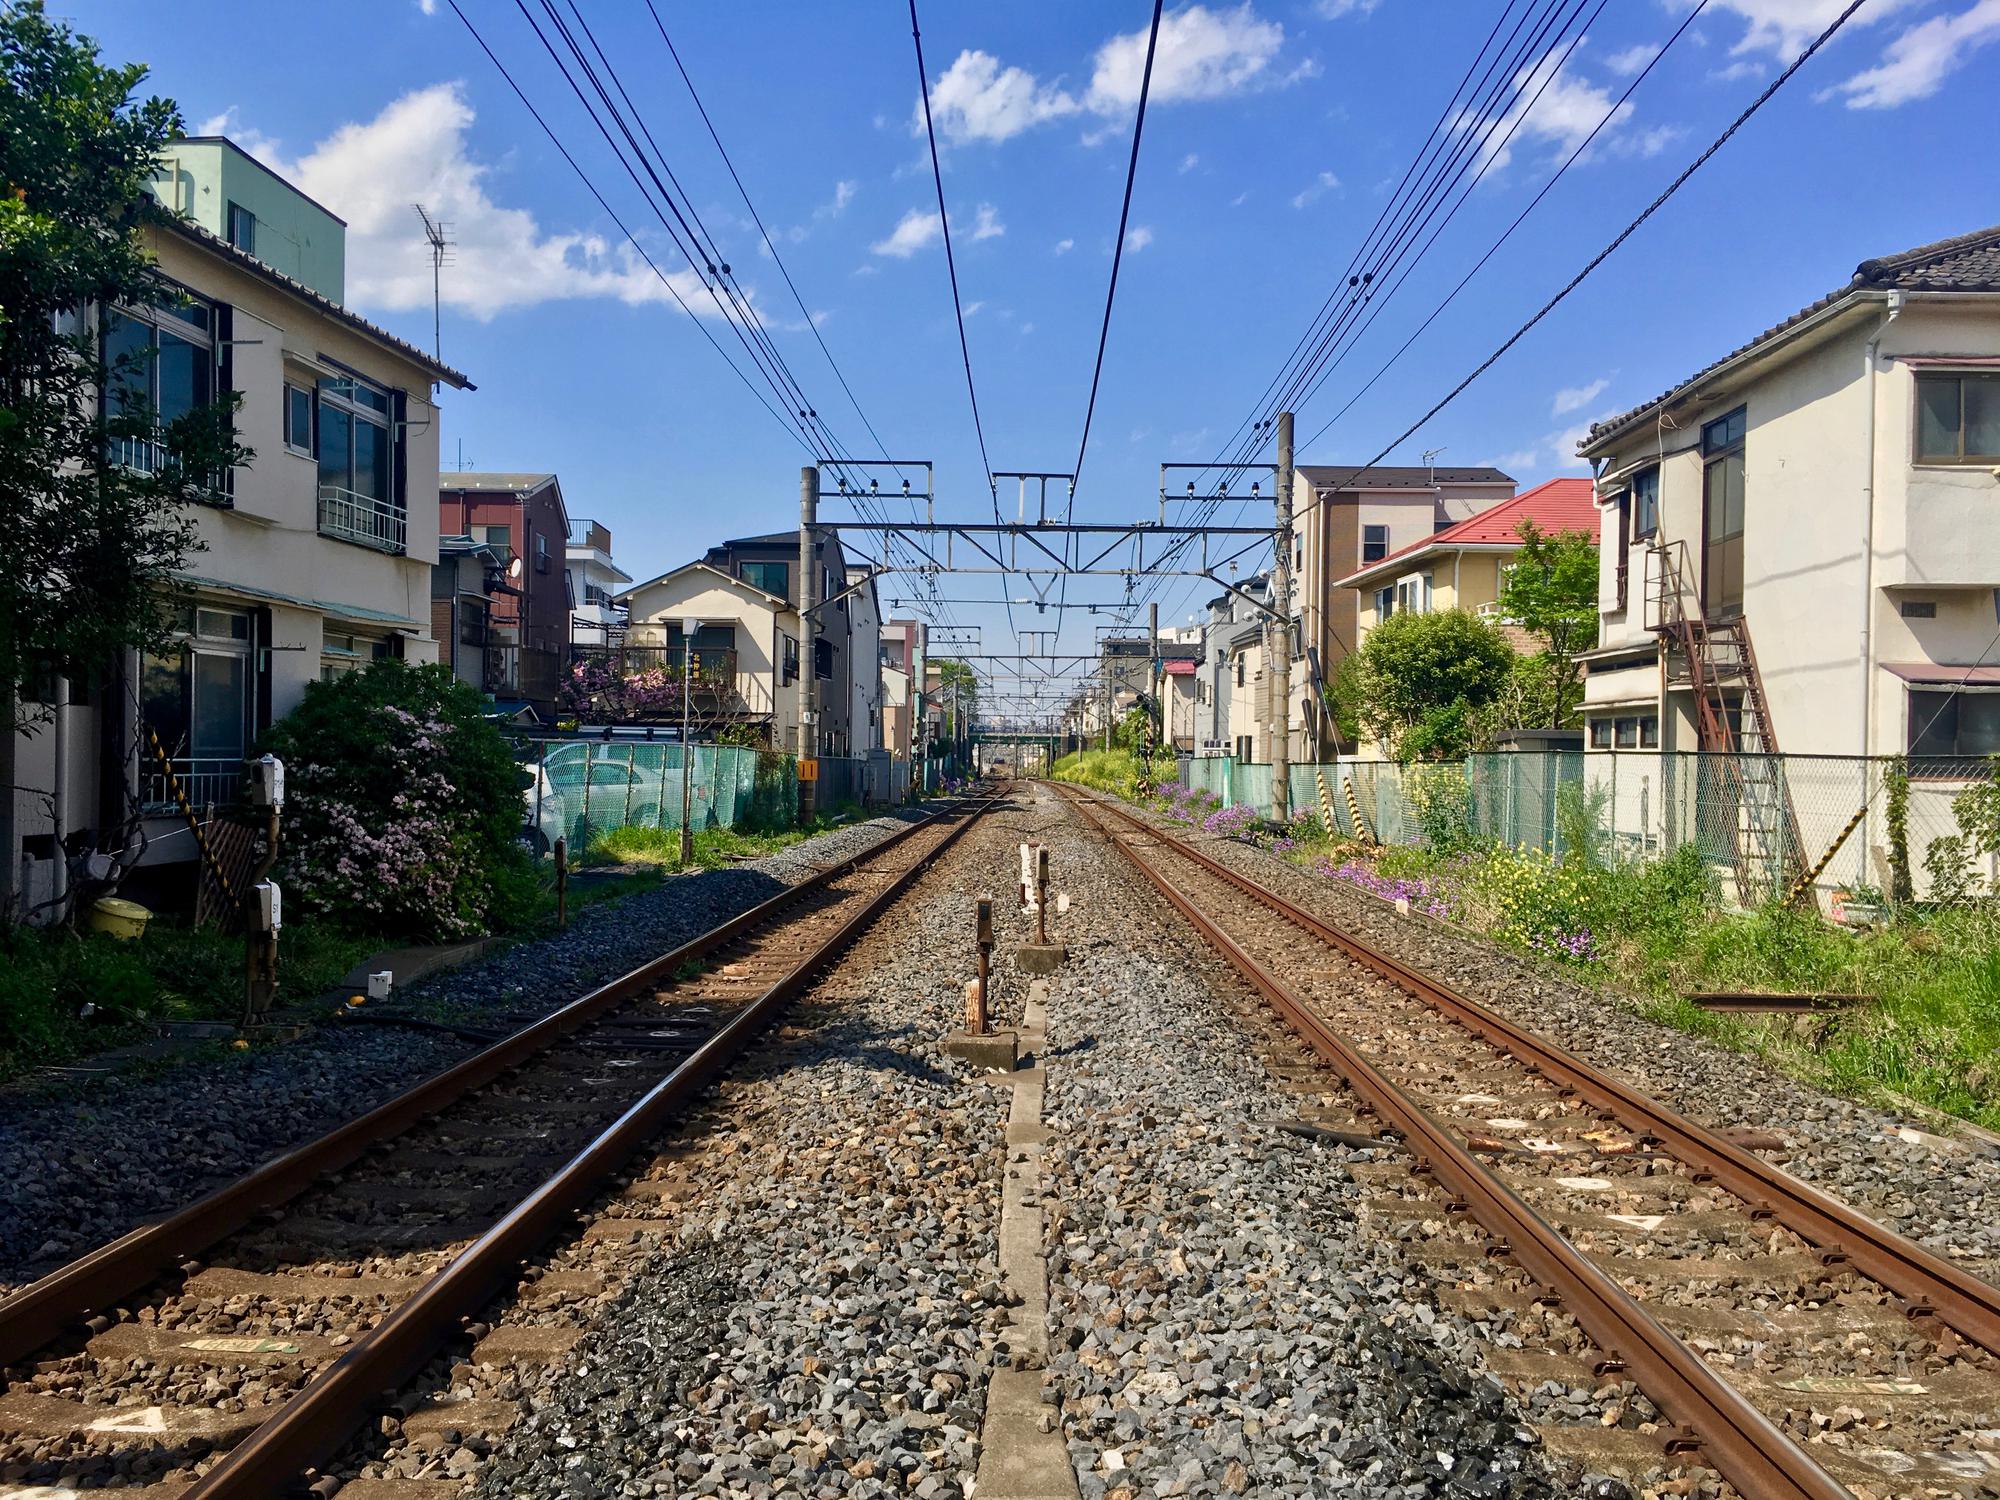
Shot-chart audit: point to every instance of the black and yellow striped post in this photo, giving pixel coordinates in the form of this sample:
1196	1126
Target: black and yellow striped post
1354	811
1805	882
180	796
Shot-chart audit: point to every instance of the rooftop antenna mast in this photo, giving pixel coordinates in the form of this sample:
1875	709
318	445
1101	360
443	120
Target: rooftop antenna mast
1430	466
435	231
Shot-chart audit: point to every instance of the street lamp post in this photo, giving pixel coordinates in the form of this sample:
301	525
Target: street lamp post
689	627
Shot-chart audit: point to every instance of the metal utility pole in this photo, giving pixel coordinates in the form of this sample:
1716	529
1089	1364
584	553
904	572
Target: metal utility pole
689	628
808	654
1107	702
1281	634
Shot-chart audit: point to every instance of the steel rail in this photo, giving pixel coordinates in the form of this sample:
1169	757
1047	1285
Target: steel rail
1729	1433
311	1426
1927	1285
45	1309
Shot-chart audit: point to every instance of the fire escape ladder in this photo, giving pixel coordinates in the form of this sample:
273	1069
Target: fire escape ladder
1764	825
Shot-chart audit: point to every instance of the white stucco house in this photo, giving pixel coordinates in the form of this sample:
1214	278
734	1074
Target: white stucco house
1801	541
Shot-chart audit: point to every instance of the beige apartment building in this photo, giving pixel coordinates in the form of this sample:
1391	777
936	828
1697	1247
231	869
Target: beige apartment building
316	556
1345	518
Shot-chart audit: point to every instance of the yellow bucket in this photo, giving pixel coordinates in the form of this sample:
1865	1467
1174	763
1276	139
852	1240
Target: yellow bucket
123	920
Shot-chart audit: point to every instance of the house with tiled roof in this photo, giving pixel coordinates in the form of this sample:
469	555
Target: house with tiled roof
1463	565
1801	544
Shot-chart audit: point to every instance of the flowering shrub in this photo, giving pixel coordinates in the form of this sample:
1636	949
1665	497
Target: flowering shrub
402	808
593	688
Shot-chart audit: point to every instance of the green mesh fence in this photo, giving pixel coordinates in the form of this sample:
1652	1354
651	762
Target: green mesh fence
1759	821
585	787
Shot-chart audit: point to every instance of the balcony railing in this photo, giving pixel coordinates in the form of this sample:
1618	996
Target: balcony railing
205	780
713	667
364	519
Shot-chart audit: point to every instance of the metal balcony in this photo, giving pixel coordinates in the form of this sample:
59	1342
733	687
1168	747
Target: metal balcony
363	519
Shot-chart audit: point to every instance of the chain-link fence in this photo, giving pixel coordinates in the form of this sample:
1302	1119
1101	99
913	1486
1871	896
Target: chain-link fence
1761	821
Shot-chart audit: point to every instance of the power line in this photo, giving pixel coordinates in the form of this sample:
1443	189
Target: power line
950	261
631	238
1624	234
1118	249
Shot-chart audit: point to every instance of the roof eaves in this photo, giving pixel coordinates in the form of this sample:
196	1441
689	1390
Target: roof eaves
319	301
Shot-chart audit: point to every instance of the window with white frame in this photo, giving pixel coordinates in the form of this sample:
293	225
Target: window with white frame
1374	543
298	419
1385	602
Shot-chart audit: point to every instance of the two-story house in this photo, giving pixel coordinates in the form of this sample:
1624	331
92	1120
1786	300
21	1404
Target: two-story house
747	647
1801	541
520	516
315	557
1347	517
902	654
1464	565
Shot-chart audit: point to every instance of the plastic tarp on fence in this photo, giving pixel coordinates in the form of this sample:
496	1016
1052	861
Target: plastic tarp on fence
587	787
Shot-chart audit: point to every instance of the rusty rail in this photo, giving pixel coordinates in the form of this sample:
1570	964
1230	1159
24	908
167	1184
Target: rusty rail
45	1309
313	1424
1731	1434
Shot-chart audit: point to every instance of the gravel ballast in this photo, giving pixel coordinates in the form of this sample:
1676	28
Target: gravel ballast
1946	1197
1222	1322
824	1320
79	1167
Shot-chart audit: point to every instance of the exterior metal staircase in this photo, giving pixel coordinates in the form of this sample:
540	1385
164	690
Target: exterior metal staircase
1745	782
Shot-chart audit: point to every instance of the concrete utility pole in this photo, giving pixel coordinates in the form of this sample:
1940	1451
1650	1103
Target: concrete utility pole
1154	676
808	656
1281	634
1107	701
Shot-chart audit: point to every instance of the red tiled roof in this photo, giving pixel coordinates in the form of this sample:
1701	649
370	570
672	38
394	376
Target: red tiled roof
1557	505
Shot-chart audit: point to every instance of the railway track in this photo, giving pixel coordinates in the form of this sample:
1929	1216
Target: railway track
274	1318
1779	1338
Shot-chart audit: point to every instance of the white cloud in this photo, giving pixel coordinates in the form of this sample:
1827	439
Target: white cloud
1553	106
1575	397
1189	163
415	151
1743	67
1321	185
1784	27
1333	10
971	309
843	194
1138	238
915	231
978	100
1632	59
428	7
1203	54
986	223
1063	247
1552	453
263	147
1916	63
918	230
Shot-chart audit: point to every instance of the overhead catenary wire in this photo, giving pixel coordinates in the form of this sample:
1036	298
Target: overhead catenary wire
1660	201
632	239
951	270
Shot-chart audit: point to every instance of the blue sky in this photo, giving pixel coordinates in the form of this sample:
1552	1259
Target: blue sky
1276	130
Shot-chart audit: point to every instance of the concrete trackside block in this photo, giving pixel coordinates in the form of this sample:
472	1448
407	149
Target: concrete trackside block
1040	958
995	1051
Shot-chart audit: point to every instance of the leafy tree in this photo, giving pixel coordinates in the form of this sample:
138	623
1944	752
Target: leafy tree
1551	591
1528	699
93	545
1423	676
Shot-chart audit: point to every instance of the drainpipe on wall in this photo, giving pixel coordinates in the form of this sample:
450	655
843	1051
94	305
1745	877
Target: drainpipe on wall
1868	354
59	792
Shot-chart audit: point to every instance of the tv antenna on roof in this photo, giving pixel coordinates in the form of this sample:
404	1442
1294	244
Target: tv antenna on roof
435	231
1430	466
